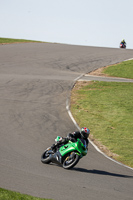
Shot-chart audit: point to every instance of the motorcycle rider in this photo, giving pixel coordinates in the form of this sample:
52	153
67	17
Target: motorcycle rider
83	134
123	42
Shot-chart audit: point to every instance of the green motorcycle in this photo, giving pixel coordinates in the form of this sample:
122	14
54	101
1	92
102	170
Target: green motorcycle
67	155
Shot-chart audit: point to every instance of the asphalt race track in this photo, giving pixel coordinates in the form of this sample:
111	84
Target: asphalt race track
35	81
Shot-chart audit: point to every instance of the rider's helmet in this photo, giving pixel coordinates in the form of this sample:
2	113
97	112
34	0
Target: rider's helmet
123	40
58	138
85	132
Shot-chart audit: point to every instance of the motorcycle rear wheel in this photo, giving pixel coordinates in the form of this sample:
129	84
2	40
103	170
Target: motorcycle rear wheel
71	160
45	157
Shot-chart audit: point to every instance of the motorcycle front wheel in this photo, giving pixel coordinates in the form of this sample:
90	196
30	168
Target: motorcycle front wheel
45	157
71	160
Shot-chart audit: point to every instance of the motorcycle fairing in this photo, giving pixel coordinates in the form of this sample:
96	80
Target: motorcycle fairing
72	146
56	157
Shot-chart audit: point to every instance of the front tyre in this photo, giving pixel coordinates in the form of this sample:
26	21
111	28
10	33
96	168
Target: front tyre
45	157
71	160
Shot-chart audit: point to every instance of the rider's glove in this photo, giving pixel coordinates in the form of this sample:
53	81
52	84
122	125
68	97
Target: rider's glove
70	138
66	139
73	139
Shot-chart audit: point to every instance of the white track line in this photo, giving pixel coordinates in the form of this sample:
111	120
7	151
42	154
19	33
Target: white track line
75	123
128	59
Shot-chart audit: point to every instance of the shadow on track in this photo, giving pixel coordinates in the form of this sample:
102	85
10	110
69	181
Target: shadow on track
100	172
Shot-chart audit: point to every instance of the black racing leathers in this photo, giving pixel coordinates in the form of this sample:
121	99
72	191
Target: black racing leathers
73	136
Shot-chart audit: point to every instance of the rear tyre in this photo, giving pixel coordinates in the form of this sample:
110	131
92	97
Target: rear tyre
71	160
45	157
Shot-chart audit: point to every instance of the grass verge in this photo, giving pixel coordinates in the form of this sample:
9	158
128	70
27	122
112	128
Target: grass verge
123	70
9	40
107	109
9	195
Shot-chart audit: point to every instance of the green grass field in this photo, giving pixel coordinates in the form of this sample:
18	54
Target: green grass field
124	70
9	195
107	109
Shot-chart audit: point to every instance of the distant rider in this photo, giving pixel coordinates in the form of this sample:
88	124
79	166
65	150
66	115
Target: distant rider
83	134
123	42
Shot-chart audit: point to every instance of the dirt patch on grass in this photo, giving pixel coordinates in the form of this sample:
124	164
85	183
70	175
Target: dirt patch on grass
79	84
99	72
103	148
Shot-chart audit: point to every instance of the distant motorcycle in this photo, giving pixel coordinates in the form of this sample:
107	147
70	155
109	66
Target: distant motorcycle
122	45
67	155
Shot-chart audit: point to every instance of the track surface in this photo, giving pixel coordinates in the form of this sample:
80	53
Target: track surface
35	81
